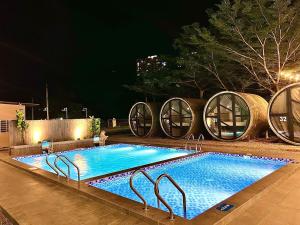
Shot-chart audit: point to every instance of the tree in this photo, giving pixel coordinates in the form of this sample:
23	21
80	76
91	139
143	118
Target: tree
258	37
248	44
22	125
95	125
205	66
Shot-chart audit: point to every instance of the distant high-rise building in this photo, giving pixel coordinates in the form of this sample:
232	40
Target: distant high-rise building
150	64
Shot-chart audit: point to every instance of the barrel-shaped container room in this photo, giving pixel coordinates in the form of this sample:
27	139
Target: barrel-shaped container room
181	117
284	114
231	116
144	119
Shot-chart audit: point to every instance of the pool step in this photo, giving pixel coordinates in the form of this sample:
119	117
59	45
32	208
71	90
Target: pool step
156	191
191	145
56	168
134	189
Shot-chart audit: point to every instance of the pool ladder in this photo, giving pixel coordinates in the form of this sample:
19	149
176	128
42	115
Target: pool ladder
156	191
190	141
134	189
65	160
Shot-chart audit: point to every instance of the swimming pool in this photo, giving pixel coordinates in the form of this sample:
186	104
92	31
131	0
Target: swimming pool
102	160
207	179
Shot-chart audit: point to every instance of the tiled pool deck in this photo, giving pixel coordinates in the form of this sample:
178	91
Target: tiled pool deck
33	199
37	201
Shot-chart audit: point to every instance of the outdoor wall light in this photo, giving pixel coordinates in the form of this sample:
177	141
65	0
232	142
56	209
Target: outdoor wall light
86	111
36	136
77	133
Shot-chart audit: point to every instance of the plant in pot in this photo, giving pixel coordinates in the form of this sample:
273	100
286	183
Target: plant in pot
22	125
95	124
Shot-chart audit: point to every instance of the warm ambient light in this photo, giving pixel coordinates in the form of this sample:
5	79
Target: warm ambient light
77	133
37	136
290	76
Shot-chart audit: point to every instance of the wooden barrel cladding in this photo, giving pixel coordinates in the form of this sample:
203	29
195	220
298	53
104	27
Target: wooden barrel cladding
232	116
284	114
180	117
144	119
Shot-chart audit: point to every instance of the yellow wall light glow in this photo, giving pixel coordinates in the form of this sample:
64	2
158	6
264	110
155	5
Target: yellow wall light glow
77	133
37	136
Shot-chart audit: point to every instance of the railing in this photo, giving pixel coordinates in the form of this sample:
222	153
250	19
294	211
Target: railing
66	161
134	189
52	147
156	189
200	142
49	164
68	166
190	138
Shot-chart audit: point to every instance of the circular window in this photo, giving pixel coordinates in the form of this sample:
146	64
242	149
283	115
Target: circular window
284	114
176	117
227	116
140	119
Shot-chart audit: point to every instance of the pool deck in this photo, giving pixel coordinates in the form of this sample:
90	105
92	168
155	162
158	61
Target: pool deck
36	200
279	206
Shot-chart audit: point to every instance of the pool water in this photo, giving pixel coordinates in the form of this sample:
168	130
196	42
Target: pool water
206	179
102	160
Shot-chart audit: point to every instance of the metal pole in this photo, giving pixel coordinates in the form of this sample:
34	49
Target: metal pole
32	110
86	111
66	113
47	101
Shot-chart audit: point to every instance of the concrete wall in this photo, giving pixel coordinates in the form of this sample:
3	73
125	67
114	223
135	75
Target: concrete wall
55	130
57	147
4	139
8	111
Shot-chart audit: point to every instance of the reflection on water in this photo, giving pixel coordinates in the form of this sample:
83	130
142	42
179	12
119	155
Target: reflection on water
81	162
37	162
107	159
124	149
145	152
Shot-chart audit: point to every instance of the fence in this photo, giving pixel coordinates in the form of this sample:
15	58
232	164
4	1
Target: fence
55	130
117	123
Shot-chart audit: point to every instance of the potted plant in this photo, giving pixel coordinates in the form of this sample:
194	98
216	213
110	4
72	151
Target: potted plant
22	125
94	127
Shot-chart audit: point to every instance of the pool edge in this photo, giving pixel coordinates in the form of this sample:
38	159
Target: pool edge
156	216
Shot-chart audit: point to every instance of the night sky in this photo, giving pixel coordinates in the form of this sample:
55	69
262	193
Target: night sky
86	50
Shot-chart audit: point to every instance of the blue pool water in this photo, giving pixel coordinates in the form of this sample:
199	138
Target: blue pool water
207	180
98	161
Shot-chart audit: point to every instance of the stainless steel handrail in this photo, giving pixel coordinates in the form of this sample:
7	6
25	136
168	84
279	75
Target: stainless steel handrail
55	163
135	191
156	189
200	140
62	157
49	164
52	147
189	138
